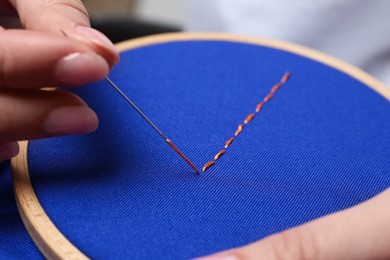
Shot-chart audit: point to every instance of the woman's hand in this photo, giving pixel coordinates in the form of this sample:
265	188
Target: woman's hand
361	232
41	56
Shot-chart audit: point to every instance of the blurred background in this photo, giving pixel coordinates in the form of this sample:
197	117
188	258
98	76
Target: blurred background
355	31
126	19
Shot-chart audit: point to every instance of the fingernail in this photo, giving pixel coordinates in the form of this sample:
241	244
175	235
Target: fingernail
71	120
81	68
8	151
95	36
218	257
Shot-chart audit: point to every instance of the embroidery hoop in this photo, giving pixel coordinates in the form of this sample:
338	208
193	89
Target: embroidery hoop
51	242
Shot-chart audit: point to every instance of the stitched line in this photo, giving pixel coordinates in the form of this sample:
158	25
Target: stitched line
259	106
239	129
229	142
218	155
248	119
208	165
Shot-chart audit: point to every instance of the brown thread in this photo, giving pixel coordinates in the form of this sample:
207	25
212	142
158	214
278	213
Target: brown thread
218	155
249	118
276	87
286	76
207	165
182	155
239	129
229	142
259	106
268	97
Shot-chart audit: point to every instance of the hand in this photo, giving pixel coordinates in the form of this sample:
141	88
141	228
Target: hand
361	232
41	56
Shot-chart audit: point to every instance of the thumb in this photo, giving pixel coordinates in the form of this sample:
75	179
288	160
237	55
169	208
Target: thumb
70	16
361	232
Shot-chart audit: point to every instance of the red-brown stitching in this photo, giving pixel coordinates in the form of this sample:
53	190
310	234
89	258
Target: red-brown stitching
276	87
259	106
229	142
239	129
207	165
286	76
218	155
249	118
268	97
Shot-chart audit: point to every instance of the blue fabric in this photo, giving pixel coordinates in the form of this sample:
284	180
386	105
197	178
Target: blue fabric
319	146
15	242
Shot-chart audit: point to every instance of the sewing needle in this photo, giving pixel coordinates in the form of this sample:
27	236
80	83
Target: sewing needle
147	120
152	125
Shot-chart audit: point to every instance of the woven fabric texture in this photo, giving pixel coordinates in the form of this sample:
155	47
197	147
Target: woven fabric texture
320	145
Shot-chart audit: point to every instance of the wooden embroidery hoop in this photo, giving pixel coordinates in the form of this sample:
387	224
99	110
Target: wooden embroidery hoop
51	242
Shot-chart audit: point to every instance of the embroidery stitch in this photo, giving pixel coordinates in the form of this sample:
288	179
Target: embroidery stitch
276	87
268	97
229	142
286	76
239	129
208	165
218	155
249	118
259	106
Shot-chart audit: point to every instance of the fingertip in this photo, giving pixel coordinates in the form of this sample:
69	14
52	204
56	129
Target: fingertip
8	150
96	37
100	43
81	68
71	120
